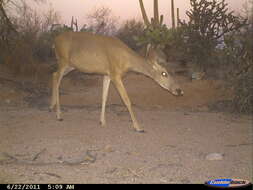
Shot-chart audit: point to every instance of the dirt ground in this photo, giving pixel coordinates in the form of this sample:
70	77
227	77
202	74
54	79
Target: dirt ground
180	134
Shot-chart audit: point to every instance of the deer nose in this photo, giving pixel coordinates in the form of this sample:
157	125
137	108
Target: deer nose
179	92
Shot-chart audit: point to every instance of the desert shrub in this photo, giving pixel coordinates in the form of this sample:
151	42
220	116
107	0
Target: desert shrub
101	21
34	29
28	41
155	35
209	21
129	31
225	52
238	56
176	48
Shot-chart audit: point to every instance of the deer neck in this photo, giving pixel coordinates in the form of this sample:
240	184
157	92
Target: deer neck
141	65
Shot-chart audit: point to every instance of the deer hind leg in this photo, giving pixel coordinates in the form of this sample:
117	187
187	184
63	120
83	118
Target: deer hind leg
122	91
106	85
57	77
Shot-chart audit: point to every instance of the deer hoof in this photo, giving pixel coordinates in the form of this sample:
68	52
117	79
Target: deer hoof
60	119
140	130
103	124
51	108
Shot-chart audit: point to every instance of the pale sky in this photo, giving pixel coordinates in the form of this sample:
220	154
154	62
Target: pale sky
124	9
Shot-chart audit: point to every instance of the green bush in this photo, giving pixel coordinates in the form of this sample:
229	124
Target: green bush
175	47
26	40
238	56
156	36
209	21
130	31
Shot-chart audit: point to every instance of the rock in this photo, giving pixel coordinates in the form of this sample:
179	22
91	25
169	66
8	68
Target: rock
214	156
108	149
8	101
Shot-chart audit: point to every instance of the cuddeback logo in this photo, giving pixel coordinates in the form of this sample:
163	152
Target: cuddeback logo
228	183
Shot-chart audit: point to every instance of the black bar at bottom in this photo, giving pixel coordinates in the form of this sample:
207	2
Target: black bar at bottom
81	186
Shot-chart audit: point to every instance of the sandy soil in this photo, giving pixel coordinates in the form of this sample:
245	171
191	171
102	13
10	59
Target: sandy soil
180	134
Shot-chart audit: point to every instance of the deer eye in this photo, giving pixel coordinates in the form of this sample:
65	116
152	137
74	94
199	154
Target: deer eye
164	74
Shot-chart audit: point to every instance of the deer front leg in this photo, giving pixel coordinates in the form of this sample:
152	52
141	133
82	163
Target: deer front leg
57	77
53	97
122	91
106	84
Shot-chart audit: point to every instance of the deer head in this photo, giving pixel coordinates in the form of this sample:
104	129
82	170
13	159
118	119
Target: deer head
165	79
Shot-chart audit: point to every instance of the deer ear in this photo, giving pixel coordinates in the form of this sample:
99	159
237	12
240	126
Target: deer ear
160	46
148	49
155	67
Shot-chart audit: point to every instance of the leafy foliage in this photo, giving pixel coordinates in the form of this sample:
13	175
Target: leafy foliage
156	36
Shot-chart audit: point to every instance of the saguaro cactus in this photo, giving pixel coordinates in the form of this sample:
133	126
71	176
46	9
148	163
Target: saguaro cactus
178	19
144	15
74	23
156	33
172	14
156	21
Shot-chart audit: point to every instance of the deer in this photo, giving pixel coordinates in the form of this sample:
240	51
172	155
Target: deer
111	58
